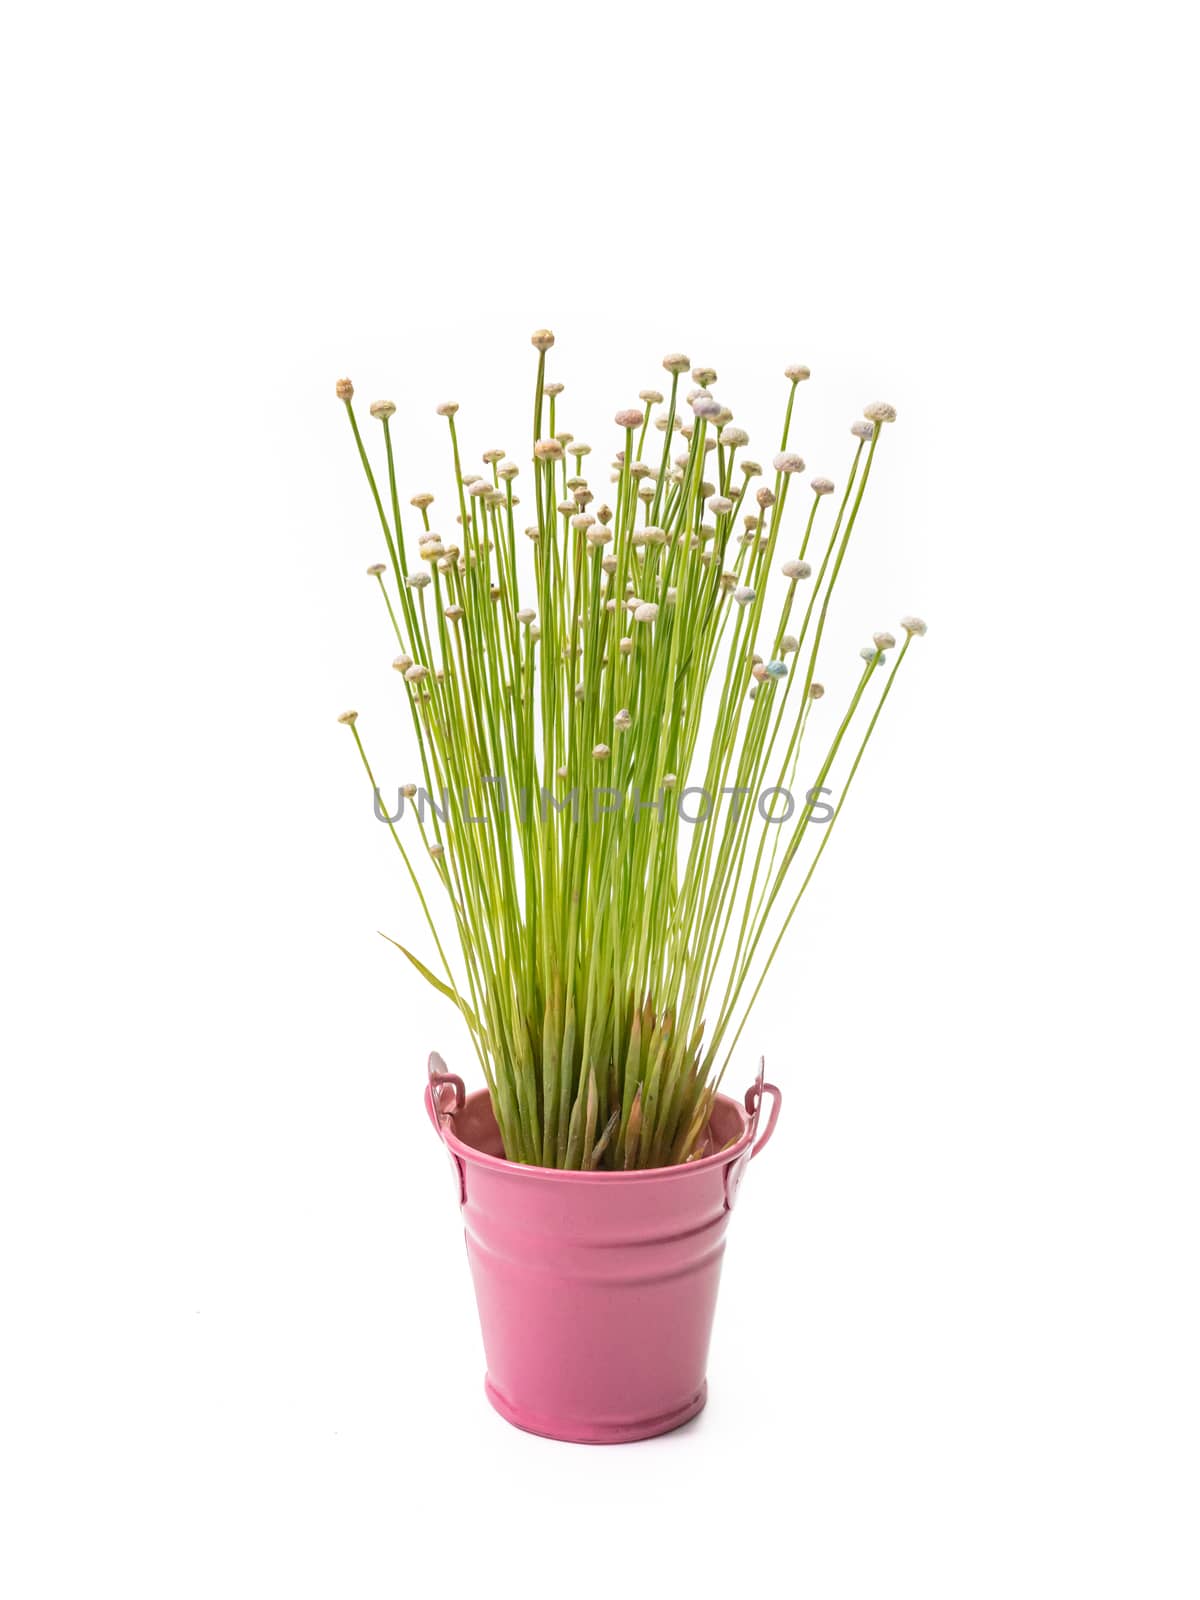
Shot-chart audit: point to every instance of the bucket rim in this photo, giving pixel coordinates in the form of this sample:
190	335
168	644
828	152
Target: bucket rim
519	1169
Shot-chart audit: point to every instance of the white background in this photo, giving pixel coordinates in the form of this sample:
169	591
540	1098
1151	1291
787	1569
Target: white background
956	1349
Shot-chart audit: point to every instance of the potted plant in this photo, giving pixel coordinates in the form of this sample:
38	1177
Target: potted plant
612	695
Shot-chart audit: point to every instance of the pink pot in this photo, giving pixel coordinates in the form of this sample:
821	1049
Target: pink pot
596	1290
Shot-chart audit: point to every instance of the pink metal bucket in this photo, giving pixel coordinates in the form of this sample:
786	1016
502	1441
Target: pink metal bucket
596	1290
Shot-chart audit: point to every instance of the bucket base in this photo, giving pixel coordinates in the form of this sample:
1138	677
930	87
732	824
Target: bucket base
600	1432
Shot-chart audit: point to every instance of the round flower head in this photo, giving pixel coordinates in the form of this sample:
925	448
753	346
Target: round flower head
870	653
454	613
752	469
525	616
625	646
535	633
884	641
402	663
447	408
383	409
507	470
797	373
913	625
437	851
765	497
732	437
646	492
795	570
566	439
533	533
743	594
609	564
578	449
650	396
601	752
704	376
418	580
788	461
862	430
421	501
628	418
548	450
409	791
654	535
345	390
623	720
492	455
816	690
478	487
880	411
776	669
349	717
758	672
417	673
789	644
553	390
673	363
582	521
639	470
647	611
598	536
719	505
541	339
706	407
822	486
376	569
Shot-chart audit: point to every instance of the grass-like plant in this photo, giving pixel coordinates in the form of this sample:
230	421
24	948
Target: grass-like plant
608	759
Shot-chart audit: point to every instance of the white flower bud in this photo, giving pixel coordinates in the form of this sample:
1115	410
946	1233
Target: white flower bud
650	396
623	720
447	408
646	611
743	594
880	411
345	390
421	501
601	752
542	340
418	580
795	570
417	673
797	373
376	570
525	616
672	363
884	641
822	486
862	430
382	409
913	625
788	461
732	437
349	717
548	450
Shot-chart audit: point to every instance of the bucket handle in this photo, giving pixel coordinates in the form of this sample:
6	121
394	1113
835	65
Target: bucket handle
754	1096
435	1104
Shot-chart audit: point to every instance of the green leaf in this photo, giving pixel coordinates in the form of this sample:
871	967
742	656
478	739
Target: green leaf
442	988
